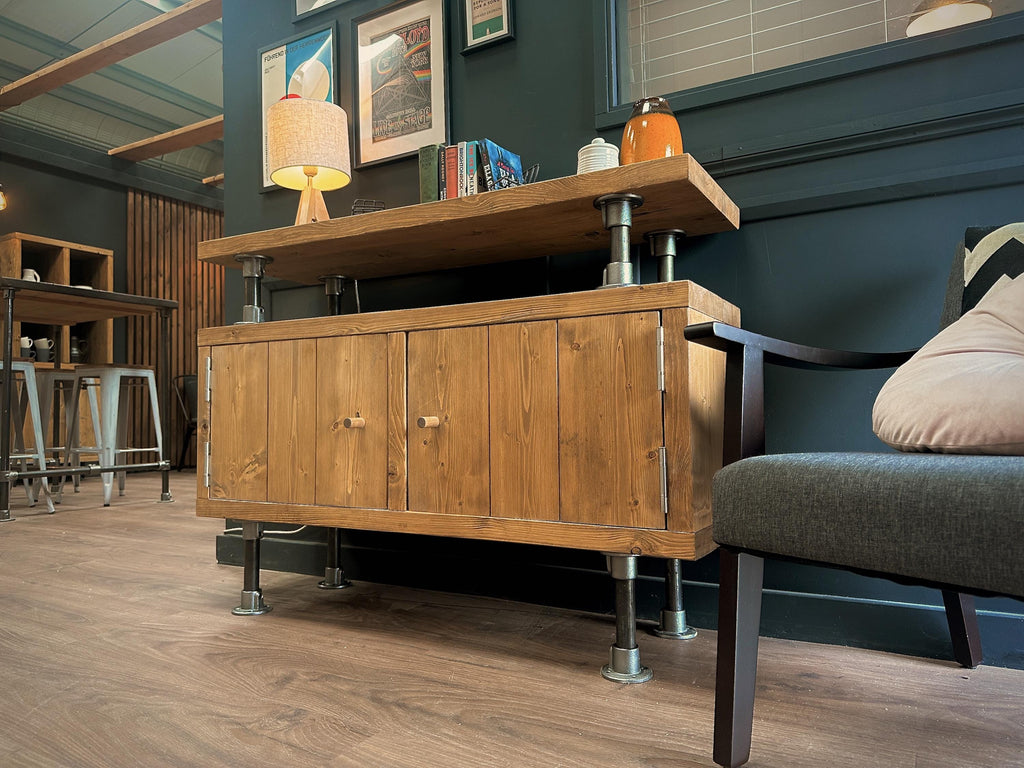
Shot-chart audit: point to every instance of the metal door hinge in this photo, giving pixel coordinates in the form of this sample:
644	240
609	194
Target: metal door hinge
209	375
659	336
663	461
206	464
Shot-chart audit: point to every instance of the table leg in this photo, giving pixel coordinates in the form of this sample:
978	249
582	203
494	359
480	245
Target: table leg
252	596
673	617
165	402
7	382
624	656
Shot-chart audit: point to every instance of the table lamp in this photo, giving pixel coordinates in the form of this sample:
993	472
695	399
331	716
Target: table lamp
307	149
3	198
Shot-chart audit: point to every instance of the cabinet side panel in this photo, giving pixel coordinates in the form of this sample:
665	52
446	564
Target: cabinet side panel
524	420
694	421
291	454
448	459
610	426
238	422
202	426
351	462
397	415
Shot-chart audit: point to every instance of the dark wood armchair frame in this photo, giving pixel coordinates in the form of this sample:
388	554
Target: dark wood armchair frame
742	571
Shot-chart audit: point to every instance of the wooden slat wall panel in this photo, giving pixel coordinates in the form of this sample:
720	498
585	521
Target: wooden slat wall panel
163	236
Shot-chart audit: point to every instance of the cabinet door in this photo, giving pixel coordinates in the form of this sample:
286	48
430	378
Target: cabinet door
291	455
610	423
238	422
524	420
352	421
448	421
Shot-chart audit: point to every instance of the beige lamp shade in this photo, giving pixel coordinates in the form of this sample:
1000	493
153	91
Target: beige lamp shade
935	15
307	144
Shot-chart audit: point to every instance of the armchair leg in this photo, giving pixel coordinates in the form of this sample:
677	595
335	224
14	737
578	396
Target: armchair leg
739	620
963	628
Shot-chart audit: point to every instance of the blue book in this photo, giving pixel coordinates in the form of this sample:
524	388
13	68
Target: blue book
502	169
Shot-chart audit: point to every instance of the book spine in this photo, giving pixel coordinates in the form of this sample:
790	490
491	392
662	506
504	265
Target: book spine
428	157
451	171
442	171
472	167
462	168
485	161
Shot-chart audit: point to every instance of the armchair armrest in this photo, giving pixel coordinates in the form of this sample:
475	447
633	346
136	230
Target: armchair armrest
746	355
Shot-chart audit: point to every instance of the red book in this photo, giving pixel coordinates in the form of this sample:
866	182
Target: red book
451	171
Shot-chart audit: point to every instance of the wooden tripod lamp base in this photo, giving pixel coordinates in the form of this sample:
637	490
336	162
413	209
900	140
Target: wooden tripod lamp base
311	204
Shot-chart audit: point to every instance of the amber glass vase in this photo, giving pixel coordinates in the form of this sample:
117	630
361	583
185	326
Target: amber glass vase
651	132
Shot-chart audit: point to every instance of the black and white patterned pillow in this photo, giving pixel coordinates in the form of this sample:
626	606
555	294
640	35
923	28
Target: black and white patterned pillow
988	255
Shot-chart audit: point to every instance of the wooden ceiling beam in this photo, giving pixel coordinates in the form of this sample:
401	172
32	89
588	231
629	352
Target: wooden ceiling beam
213	181
164	27
172	141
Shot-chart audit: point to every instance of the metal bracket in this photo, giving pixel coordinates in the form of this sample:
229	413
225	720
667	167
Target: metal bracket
663	464
659	340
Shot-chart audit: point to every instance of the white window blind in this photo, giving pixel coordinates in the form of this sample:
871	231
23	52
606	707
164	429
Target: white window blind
674	45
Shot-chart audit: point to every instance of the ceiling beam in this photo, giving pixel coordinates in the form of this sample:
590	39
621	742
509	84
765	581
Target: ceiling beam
165	27
213	181
172	141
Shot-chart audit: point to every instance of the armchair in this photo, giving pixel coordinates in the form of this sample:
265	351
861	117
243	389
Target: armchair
951	521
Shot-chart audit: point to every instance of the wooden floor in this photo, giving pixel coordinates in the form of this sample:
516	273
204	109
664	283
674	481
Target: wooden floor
118	648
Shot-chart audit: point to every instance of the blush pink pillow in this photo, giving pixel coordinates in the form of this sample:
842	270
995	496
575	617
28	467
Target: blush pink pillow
963	392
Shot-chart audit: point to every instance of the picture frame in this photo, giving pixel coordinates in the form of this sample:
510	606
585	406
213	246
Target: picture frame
303	65
305	8
401	100
485	23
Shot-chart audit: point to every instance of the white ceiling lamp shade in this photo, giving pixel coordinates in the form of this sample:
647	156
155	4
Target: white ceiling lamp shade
307	149
936	15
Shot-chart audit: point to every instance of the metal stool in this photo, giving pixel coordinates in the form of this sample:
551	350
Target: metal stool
52	381
112	437
29	398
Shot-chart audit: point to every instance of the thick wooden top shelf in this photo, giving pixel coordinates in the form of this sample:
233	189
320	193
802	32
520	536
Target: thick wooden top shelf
544	218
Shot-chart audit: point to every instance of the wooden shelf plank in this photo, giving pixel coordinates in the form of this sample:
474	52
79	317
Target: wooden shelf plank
545	218
217	178
165	27
172	141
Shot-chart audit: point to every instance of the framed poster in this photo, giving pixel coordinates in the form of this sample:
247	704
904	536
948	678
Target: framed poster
485	22
302	66
401	92
305	8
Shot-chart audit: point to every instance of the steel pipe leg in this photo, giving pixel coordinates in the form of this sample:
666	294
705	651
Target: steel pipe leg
334	288
6	406
663	245
252	596
673	617
624	656
252	275
334	574
617	215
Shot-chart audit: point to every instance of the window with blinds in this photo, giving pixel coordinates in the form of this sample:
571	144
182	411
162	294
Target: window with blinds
674	45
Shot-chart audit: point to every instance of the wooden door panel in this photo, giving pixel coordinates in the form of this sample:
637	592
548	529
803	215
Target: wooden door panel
352	421
448	421
238	422
610	426
291	455
524	420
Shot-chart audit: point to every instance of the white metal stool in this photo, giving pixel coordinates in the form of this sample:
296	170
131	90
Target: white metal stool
112	435
29	398
62	380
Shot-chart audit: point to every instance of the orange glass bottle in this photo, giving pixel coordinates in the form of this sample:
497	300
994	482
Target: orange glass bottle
651	132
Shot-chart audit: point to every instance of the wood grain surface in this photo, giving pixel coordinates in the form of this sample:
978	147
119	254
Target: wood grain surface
398	448
546	218
120	652
239	439
524	420
610	425
292	401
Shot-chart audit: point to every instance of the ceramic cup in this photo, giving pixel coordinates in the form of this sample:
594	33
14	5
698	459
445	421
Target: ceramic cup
43	347
30	274
26	347
596	156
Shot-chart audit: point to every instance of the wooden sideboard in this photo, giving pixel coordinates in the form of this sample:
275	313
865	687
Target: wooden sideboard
580	420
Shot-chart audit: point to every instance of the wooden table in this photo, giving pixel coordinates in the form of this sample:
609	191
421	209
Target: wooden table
59	305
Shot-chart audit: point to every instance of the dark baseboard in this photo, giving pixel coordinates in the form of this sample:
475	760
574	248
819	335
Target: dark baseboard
577	580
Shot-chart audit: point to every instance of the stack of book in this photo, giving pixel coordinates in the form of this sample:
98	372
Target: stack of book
466	168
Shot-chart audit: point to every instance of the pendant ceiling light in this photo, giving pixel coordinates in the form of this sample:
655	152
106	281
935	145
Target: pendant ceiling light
933	15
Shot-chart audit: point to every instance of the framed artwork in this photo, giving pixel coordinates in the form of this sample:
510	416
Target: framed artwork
485	22
305	8
401	91
302	66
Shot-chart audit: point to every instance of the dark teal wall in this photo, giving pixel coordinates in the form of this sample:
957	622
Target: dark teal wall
47	202
856	178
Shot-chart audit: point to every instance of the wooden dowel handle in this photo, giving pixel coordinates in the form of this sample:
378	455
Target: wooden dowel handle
354	422
425	422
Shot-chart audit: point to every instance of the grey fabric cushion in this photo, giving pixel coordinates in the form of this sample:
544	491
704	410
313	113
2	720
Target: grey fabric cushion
958	520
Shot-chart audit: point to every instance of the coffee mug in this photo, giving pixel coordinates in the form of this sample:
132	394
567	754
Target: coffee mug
30	274
26	347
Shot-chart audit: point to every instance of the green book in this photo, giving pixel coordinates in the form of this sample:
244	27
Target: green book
428	172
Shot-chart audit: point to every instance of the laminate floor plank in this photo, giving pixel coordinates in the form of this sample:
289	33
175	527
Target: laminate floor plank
118	649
